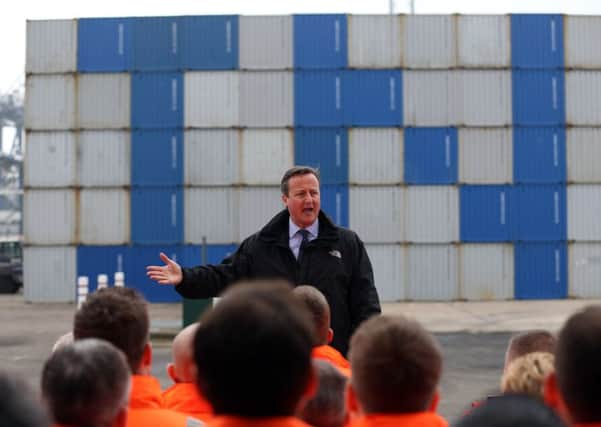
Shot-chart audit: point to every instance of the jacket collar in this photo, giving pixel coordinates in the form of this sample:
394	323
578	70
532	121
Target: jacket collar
276	229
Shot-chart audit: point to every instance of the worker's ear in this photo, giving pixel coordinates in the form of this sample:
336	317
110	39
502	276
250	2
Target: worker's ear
171	372
330	335
146	363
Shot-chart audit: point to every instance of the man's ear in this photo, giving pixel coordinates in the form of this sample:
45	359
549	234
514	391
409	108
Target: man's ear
285	200
171	372
434	402
146	363
352	401
330	335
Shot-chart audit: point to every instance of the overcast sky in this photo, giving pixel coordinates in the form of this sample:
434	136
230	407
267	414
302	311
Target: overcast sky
16	12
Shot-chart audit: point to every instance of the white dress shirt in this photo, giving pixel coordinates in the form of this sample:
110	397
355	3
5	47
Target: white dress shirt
296	238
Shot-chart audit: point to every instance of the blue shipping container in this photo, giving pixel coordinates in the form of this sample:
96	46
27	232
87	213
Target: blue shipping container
541	213
157	216
215	254
538	98
430	155
537	41
486	213
95	260
318	98
541	270
105	44
157	44
373	98
320	41
539	155
157	158
157	100
210	42
325	149
334	202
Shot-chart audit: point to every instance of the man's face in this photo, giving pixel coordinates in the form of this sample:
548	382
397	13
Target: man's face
302	200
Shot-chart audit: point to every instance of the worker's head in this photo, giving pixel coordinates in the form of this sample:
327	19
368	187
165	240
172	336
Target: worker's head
301	195
529	342
18	405
527	374
319	309
182	369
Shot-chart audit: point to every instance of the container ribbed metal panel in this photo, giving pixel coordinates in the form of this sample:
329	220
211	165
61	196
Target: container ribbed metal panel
584	205
429	41
211	213
157	216
430	156
432	273
105	44
584	270
486	213
211	99
257	206
541	270
583	98
539	155
104	158
103	101
51	46
50	159
485	97
218	49
266	155
486	271
374	41
49	274
537	41
431	214
375	156
266	99
538	97
583	155
266	42
50	102
388	264
376	213
320	41
157	42
581	48
212	157
483	41
104	217
50	217
430	98
485	156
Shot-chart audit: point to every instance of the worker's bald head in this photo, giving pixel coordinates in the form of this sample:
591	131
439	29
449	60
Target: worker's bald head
319	309
182	353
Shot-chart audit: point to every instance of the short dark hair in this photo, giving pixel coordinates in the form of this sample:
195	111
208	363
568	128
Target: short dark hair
119	316
577	364
253	351
86	383
396	365
18	407
318	307
294	171
529	342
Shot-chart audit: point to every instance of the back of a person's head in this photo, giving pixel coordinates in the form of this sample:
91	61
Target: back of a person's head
578	366
512	410
529	342
318	307
527	374
327	408
181	368
117	315
253	351
18	406
396	364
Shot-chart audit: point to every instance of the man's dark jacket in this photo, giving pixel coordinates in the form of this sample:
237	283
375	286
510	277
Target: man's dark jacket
335	262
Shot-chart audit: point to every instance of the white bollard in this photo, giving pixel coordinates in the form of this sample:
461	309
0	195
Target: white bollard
102	281
82	290
120	279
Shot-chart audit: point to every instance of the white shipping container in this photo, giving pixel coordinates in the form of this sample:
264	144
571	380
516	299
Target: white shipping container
211	213
103	101
584	205
49	217
485	97
375	156
266	99
430	98
483	41
429	41
583	98
212	156
257	206
266	154
104	158
584	266
211	99
431	214
50	159
374	41
50	102
375	213
266	42
104	217
49	273
432	273
581	34
51	46
583	146
485	155
486	272
388	264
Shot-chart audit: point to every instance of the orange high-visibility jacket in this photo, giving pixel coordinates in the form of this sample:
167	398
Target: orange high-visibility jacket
231	421
330	354
186	398
417	419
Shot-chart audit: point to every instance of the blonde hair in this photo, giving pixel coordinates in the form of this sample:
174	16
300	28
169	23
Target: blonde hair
526	374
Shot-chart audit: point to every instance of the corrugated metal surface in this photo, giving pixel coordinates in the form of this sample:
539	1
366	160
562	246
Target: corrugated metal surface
212	99
104	158
539	155
334	202
320	41
103	101
157	216
266	154
50	102
432	214
157	43
49	274
583	94
388	264
326	149
541	270
581	49
486	213
95	260
219	47
376	213
374	41
375	156
584	205
433	273
537	41
486	272
265	42
211	213
584	155
585	270
141	256
216	254
266	99
429	98
105	44
538	97
49	217
318	98
372	98
157	157
157	100
541	212
51	46
485	156
104	217
485	97
50	159
430	155
483	41
429	41
257	206
212	157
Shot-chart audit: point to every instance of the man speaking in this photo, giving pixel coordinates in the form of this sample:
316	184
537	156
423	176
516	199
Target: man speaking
300	244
